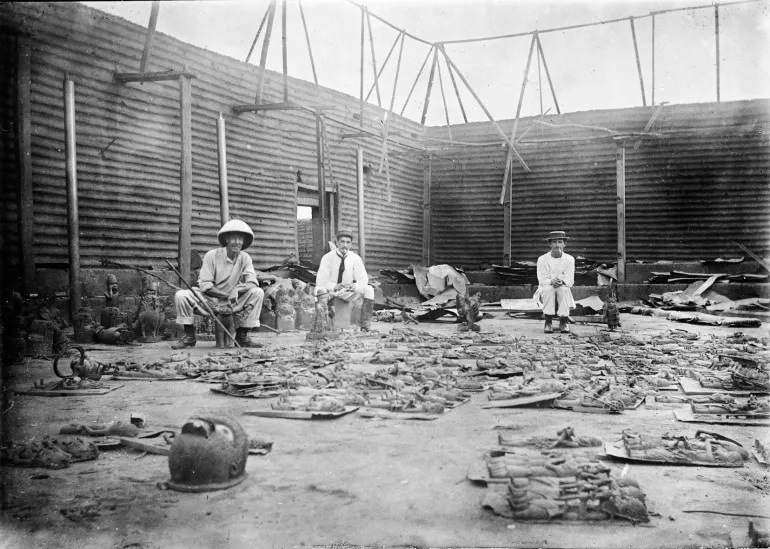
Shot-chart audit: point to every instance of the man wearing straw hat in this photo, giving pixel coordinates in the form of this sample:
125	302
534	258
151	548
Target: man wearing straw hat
555	276
342	272
226	278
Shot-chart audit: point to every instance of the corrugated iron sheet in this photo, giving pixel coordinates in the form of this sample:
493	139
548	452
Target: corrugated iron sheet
699	183
128	146
9	194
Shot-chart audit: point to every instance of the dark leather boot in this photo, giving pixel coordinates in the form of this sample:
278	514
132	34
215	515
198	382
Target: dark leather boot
243	339
188	340
564	324
548	329
366	315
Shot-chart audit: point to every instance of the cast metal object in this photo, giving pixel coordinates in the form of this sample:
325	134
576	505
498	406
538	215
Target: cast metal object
209	454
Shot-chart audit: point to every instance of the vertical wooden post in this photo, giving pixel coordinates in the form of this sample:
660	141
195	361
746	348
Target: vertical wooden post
284	52
360	179
620	169
430	86
24	147
321	182
73	229
653	58
716	36
427	252
224	202
150	36
638	62
185	179
507	217
263	55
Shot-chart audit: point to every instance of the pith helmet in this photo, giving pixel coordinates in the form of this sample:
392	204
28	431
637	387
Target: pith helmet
236	226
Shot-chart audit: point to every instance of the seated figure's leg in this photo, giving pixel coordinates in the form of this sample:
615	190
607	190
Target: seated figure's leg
563	295
249	307
185	307
548	296
185	315
367	308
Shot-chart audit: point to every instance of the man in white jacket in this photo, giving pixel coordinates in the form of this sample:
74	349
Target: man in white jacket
342	273
555	276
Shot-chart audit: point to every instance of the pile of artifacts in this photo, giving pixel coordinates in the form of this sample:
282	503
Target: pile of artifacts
554	479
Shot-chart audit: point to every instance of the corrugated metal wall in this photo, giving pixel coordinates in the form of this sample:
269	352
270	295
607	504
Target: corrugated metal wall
128	145
9	174
689	193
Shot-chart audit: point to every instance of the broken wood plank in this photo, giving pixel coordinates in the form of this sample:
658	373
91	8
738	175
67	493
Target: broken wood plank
144	446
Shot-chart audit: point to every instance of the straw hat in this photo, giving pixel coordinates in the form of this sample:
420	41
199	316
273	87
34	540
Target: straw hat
557	235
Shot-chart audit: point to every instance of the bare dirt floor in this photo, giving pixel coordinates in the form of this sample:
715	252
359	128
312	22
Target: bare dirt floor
351	481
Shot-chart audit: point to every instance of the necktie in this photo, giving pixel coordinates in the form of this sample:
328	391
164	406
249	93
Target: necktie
342	269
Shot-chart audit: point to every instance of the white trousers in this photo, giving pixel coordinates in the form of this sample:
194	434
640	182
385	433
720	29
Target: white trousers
550	295
247	309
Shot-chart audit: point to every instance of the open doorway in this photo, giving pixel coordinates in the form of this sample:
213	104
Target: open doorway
305	233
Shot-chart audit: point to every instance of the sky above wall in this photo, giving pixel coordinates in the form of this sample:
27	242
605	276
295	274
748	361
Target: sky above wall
591	68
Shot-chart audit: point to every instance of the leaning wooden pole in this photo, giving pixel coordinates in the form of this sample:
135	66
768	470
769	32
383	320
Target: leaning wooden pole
224	202
374	58
150	36
620	169
307	39
511	150
263	55
638	62
429	88
382	68
457	90
360	181
489	116
443	100
185	179
414	85
259	31
73	229
548	75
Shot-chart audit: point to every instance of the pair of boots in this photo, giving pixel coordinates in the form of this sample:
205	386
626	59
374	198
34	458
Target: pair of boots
563	324
189	340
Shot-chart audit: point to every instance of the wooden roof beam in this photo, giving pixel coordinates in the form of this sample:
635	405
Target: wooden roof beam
125	77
